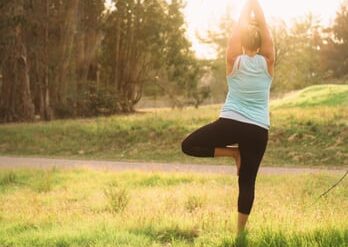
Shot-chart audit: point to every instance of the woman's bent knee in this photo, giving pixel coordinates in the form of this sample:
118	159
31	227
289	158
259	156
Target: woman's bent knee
190	149
186	148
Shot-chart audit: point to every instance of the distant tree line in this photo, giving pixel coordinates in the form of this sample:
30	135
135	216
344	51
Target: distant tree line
307	53
72	58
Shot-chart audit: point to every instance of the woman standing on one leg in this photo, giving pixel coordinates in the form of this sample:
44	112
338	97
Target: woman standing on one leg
244	118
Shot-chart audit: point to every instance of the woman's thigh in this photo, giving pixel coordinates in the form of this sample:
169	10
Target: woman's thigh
221	133
252	148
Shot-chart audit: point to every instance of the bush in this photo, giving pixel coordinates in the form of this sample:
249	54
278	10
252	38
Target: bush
193	202
117	198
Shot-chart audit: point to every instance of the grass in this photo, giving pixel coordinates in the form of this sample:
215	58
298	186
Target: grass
162	209
309	128
321	95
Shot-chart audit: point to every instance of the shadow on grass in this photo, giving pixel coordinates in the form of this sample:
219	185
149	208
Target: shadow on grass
240	241
168	234
39	180
269	238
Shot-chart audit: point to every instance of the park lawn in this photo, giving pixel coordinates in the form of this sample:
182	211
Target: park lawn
309	128
85	207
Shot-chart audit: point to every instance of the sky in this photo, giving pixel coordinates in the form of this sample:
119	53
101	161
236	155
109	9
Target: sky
202	15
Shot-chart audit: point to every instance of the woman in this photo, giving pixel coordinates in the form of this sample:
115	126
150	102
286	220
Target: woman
244	118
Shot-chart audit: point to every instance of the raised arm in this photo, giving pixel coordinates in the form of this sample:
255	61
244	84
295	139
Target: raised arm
234	46
267	47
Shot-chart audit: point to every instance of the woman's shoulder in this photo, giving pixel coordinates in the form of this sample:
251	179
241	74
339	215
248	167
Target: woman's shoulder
259	56
265	64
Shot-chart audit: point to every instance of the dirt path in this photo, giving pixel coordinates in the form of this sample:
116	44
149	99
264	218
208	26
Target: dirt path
16	162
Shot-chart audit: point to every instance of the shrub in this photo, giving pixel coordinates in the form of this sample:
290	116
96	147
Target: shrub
193	202
117	198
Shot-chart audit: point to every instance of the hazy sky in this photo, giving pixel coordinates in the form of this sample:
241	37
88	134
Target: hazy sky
202	15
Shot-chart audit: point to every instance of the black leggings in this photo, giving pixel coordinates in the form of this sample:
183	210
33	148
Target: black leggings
252	142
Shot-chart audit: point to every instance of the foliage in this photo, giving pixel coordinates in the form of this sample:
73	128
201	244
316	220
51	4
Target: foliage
153	52
335	47
218	39
297	54
118	198
77	52
306	52
15	98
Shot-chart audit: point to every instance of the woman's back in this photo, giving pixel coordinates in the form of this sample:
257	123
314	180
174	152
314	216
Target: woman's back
248	95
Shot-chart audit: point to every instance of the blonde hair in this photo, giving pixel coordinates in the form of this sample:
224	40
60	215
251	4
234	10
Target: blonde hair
251	38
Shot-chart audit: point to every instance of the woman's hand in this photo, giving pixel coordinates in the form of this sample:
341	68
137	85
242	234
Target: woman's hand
267	47
234	46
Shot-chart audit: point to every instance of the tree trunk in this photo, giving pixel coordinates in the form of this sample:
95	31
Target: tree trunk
15	101
37	40
69	15
45	108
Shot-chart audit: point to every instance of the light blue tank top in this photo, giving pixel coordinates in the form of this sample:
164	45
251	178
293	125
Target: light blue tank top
248	91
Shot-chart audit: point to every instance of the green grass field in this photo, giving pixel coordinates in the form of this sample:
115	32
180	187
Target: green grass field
309	128
82	207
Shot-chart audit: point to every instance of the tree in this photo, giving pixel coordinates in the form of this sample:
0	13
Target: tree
219	39
182	71
297	54
66	58
15	98
37	40
145	42
63	28
335	47
297	50
85	58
